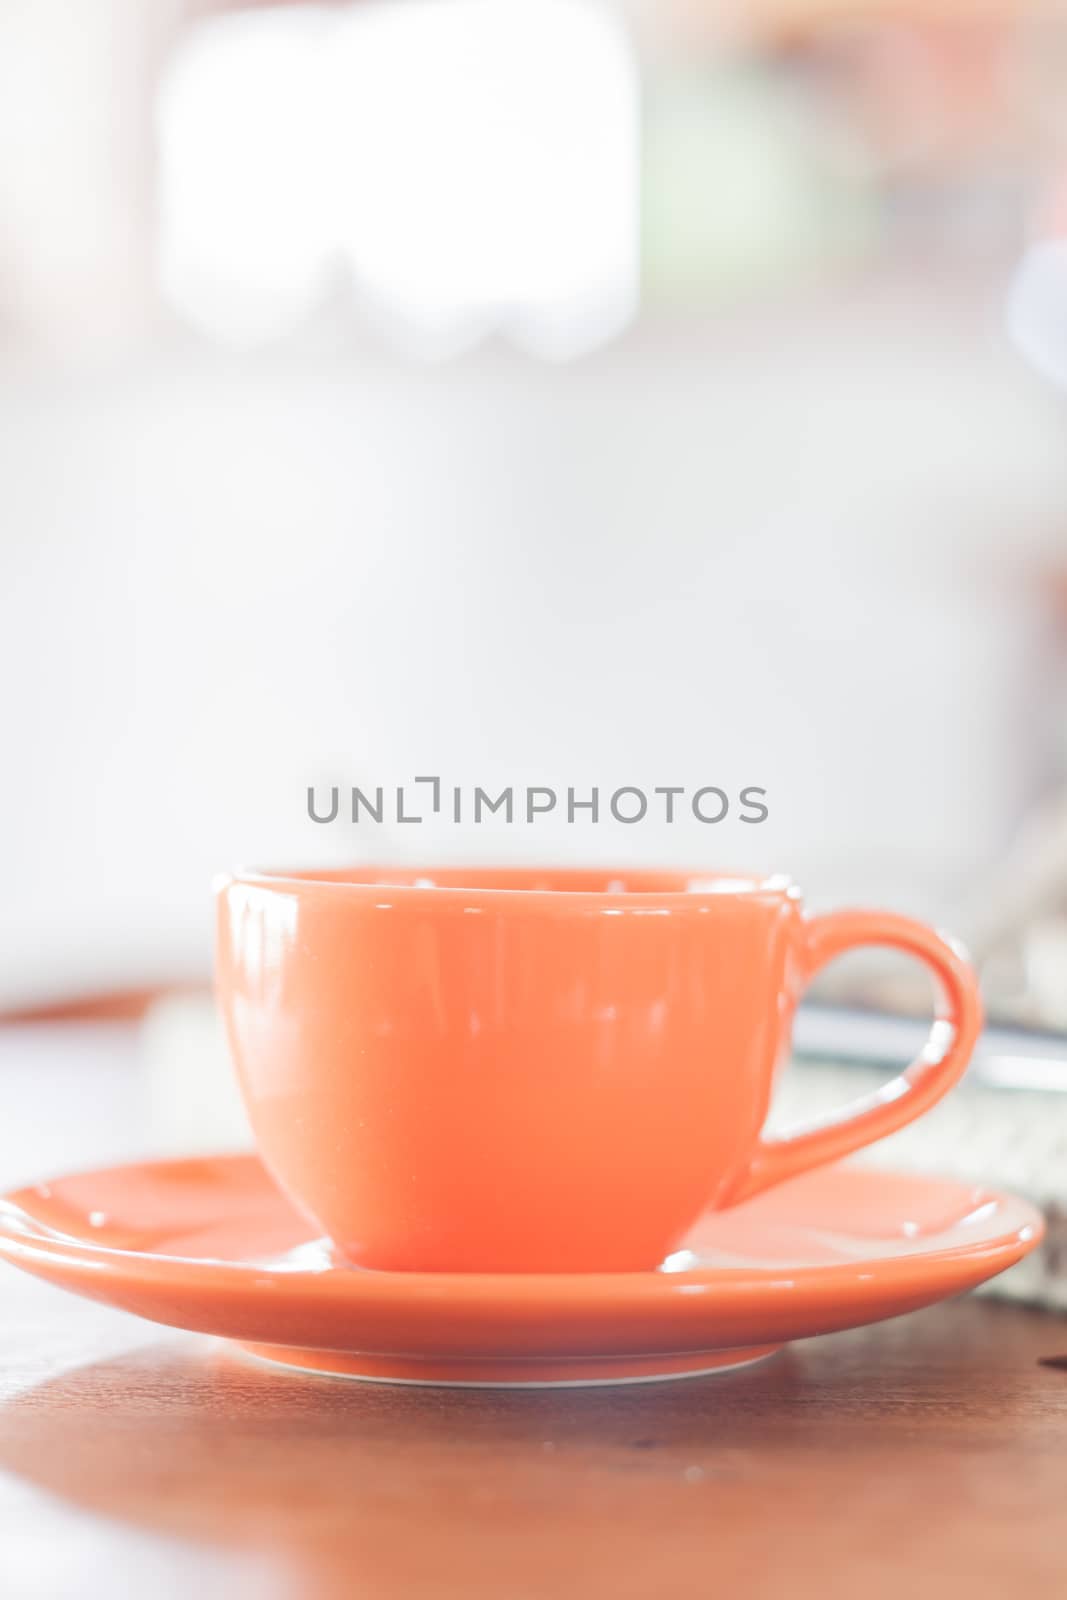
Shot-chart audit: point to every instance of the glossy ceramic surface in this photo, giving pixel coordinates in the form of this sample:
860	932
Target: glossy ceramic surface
539	1071
212	1245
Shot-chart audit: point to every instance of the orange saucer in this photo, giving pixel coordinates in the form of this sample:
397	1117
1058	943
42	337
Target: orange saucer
211	1245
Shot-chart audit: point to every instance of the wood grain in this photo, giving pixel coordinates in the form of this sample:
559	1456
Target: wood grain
927	1456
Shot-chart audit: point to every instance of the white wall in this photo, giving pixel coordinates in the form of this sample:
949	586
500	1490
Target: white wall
798	553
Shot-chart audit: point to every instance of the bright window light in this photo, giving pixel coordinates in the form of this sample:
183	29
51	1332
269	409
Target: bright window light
470	165
1037	308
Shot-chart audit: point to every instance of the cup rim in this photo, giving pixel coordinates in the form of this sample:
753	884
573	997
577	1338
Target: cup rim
572	885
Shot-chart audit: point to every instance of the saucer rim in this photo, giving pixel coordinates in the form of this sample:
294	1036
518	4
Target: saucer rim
551	1317
1025	1228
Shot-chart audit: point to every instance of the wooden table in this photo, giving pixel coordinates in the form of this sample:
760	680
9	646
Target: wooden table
927	1456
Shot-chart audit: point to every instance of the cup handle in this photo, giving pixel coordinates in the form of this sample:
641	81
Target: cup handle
957	1024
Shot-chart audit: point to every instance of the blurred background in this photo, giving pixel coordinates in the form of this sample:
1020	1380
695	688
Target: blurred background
554	392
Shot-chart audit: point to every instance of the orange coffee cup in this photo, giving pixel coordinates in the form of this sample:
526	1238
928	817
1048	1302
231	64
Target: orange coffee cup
540	1071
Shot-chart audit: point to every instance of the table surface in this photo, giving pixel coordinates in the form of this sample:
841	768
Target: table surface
924	1456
